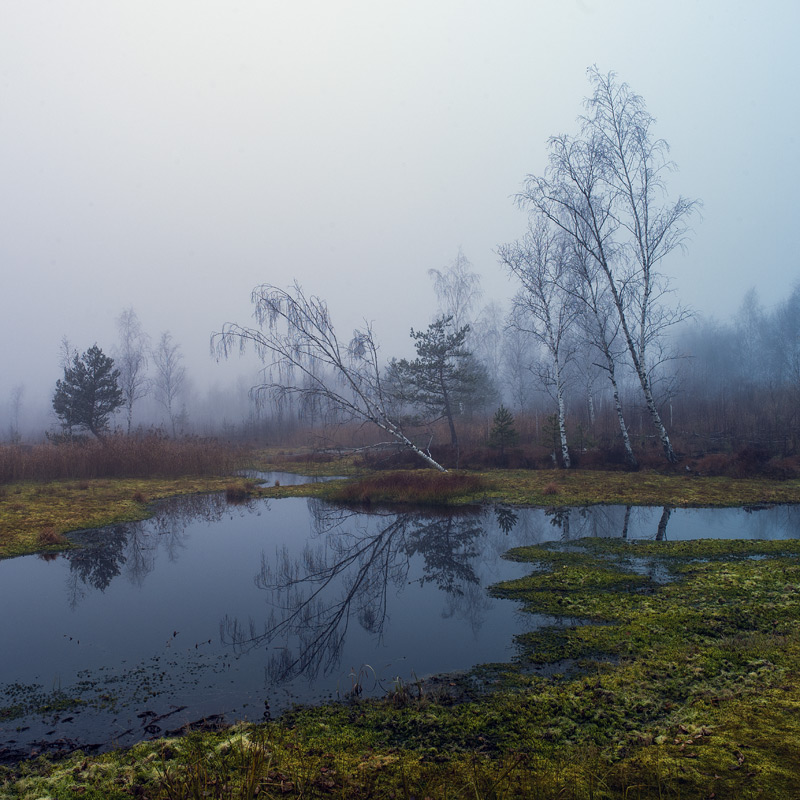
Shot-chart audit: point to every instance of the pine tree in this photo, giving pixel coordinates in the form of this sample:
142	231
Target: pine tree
445	378
89	392
503	432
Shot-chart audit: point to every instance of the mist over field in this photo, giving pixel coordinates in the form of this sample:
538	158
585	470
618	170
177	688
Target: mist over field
166	160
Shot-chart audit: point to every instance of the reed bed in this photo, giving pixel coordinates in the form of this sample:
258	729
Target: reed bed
118	456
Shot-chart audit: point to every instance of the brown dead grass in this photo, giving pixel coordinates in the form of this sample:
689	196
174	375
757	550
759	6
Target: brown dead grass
49	537
148	456
416	487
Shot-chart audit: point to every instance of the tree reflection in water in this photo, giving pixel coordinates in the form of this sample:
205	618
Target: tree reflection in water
104	552
603	521
347	575
506	517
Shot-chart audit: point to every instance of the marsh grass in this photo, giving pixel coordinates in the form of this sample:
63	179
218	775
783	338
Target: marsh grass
412	487
65	506
117	456
240	492
686	689
587	487
49	537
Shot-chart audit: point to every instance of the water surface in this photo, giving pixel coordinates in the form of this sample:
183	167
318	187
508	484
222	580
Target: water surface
214	610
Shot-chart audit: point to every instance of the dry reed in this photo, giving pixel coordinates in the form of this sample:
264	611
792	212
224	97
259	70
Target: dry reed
117	456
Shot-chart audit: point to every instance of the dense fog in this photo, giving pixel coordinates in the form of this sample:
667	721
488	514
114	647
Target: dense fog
161	162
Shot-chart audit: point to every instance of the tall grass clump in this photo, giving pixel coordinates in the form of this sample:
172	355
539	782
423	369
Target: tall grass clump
119	456
417	487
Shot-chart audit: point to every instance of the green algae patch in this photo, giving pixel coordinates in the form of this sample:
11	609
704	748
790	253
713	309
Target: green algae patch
685	683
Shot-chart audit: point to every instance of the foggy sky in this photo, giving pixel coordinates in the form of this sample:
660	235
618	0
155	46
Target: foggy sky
171	156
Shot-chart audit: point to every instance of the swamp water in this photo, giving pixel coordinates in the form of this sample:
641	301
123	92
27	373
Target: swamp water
210	610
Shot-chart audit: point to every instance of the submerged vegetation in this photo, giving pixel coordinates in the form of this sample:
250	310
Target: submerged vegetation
674	674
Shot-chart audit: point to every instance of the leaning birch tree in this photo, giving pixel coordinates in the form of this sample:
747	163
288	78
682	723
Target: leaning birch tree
605	188
304	359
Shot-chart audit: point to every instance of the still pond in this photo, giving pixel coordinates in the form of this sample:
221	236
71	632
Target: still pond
217	611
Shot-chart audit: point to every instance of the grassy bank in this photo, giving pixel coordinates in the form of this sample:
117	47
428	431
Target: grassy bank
682	687
562	488
35	516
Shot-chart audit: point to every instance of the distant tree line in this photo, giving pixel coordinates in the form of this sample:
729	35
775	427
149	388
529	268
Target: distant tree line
741	386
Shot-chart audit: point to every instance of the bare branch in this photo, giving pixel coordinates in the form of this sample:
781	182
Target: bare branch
303	357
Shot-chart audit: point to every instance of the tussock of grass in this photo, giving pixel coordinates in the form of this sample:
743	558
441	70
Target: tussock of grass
413	487
49	536
239	492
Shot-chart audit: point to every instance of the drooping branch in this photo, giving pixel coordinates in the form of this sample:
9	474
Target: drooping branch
303	357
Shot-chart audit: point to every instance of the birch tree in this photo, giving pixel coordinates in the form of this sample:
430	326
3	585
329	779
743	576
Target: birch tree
15	407
170	376
304	358
131	360
605	189
458	289
515	367
601	329
544	308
